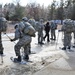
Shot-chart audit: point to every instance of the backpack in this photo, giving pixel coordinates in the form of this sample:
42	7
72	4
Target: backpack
3	25
69	26
53	26
29	29
39	27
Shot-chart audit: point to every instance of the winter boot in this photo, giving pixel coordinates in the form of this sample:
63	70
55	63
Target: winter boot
64	48
68	47
18	59
51	38
48	40
41	43
26	58
1	52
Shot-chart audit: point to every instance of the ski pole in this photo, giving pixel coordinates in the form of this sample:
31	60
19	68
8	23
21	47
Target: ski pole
9	38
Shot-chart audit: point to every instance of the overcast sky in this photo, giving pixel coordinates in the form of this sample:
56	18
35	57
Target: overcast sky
24	2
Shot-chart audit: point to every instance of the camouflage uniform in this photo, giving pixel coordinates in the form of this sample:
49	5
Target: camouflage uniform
67	35
40	32
53	28
67	39
24	41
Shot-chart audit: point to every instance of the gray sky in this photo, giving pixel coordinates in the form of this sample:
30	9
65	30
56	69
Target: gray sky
24	2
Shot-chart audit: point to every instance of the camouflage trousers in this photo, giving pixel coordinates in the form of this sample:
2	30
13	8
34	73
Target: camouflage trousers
53	36
1	46
25	43
40	37
67	39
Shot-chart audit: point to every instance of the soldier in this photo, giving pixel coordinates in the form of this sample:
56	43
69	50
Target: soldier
24	40
18	35
40	31
3	27
47	29
53	28
67	34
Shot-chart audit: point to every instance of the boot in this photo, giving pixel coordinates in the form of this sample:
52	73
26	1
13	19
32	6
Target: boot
73	46
64	48
42	43
38	42
18	59
1	52
54	39
51	38
68	47
26	58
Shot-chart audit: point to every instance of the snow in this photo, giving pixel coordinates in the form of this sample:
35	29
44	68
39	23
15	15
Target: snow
48	60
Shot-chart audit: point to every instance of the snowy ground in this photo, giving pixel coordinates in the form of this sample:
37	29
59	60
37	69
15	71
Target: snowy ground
48	58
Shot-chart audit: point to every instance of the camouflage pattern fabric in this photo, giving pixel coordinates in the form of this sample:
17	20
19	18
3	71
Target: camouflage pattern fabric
53	28
53	35
23	42
67	39
68	26
40	32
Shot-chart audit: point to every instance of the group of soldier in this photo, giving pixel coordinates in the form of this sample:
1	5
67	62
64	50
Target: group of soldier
26	29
